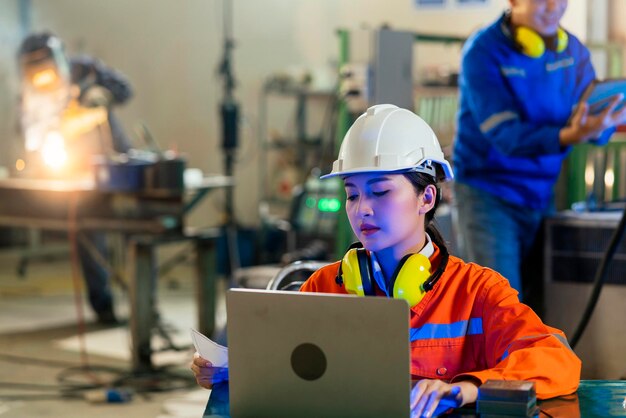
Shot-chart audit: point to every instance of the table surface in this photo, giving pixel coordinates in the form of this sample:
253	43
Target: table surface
594	398
88	184
49	204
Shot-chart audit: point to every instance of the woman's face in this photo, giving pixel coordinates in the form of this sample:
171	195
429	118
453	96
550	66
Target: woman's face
385	211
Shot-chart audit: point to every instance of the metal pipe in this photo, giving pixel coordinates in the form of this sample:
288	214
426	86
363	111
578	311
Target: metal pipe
277	281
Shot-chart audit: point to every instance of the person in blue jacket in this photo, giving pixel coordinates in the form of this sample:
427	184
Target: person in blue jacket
521	82
95	85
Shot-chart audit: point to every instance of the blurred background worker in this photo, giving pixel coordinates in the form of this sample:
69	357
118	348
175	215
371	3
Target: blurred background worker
67	119
520	82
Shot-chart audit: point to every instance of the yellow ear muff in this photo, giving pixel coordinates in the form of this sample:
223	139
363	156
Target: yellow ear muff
409	283
533	45
561	40
530	42
351	274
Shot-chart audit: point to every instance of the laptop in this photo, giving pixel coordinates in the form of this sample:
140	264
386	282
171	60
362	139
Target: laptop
294	354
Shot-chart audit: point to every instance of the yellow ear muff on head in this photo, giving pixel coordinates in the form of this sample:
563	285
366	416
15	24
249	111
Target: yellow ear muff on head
533	45
409	282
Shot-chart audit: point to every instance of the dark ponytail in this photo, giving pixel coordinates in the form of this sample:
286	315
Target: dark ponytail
419	182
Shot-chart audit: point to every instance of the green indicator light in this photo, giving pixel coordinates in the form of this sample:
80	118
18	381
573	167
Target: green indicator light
329	205
310	202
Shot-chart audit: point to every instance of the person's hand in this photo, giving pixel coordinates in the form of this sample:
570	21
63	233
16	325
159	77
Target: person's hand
430	398
584	127
96	96
206	375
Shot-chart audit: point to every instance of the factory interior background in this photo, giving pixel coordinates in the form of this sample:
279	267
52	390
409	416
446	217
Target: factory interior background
285	60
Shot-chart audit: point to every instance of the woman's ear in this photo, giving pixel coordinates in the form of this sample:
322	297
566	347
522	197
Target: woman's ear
427	199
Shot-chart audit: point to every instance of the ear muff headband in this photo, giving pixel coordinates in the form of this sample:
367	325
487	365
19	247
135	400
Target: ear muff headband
533	45
529	42
367	276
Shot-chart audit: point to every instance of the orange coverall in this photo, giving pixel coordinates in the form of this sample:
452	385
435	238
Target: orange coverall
472	325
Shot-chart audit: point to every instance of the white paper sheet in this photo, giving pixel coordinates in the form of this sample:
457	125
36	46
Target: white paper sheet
210	350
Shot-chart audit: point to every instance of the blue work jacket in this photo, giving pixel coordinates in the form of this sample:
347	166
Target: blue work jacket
512	108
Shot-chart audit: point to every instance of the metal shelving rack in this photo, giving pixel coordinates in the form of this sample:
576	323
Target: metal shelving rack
294	107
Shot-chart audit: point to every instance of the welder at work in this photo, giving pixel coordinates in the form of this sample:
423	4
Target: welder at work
66	108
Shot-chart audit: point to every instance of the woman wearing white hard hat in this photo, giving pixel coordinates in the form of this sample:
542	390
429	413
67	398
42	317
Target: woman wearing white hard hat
467	324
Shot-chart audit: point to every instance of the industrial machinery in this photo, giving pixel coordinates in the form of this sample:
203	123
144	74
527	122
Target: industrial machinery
585	263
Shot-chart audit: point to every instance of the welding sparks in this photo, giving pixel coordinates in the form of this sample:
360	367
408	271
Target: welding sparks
53	151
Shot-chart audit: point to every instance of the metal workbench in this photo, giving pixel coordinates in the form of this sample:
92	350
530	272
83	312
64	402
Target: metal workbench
147	218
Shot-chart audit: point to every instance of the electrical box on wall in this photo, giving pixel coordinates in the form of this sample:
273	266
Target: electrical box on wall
392	78
380	71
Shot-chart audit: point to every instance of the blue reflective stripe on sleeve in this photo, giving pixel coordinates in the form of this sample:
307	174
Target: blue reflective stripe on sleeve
473	326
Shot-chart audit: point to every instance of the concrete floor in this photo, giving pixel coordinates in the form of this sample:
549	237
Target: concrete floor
40	348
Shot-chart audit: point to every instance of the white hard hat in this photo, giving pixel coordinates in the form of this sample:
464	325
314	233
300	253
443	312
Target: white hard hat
388	139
